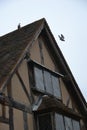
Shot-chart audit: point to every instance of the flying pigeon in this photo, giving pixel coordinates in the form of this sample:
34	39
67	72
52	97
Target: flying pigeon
61	37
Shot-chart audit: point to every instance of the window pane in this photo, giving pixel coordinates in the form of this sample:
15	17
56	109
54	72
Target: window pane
44	122
38	78
68	123
59	122
48	82
56	87
76	125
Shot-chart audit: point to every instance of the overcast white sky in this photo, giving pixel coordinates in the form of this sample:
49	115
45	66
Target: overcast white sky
68	17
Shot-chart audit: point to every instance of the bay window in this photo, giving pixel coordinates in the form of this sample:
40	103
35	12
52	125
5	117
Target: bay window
56	121
45	81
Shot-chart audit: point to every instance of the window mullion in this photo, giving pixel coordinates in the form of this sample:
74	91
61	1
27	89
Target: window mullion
44	80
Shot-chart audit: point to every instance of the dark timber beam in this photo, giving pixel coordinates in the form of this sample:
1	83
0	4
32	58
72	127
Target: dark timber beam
4	120
41	52
11	124
12	103
25	121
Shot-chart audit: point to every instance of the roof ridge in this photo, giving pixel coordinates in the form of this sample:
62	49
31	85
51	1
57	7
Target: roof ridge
14	31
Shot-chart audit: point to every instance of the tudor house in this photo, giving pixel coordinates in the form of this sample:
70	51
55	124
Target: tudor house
37	88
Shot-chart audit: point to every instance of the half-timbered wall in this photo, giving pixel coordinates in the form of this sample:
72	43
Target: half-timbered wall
39	48
43	53
48	59
18	94
66	97
19	88
44	57
22	120
17	91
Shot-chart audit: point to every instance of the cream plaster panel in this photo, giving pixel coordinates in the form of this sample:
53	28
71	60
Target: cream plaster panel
17	91
65	94
4	126
23	71
75	107
7	111
48	62
35	52
18	120
30	121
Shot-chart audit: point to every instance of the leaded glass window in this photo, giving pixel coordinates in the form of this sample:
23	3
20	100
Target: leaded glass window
76	125
47	81
56	121
45	122
56	87
59	123
68	123
39	78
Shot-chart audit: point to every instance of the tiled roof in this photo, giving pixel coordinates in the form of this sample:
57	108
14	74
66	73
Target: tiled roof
13	45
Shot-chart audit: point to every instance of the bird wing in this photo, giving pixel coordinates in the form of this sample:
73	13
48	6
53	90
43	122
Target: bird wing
62	36
59	36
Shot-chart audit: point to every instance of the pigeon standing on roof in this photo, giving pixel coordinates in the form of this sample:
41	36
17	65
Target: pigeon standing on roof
61	37
19	26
